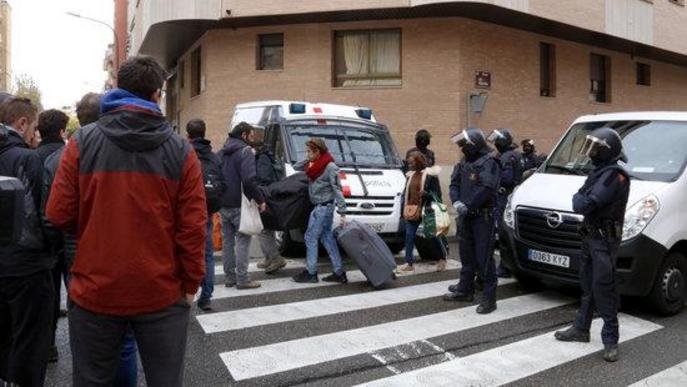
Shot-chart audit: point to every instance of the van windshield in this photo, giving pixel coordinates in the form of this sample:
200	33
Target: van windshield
656	150
349	145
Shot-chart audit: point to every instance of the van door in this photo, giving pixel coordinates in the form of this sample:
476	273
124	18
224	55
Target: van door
275	144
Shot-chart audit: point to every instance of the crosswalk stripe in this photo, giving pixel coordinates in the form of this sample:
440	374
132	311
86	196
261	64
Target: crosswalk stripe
284	284
247	318
673	376
515	361
265	360
253	266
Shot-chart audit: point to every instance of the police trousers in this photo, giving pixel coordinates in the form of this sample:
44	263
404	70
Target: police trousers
597	280
476	239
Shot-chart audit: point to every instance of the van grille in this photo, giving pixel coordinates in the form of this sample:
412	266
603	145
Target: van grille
371	206
533	227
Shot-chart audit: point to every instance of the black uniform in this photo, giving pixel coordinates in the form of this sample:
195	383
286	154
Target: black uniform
474	182
602	200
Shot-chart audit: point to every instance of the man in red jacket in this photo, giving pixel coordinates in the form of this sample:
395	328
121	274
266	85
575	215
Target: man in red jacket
132	189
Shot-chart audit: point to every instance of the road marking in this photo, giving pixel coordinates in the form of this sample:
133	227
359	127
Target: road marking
286	283
272	314
673	376
284	356
253	266
515	361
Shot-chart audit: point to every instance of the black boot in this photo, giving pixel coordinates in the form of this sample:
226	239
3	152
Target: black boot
306	277
572	334
340	278
611	353
459	296
486	306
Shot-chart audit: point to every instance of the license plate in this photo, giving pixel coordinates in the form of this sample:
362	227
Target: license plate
549	259
378	227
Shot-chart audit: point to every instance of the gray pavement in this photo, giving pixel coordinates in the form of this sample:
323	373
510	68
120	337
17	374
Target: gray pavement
353	347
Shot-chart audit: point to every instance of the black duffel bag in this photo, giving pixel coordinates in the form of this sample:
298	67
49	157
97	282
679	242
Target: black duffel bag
288	204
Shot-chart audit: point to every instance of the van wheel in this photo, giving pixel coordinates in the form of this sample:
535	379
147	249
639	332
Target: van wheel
287	247
527	282
668	295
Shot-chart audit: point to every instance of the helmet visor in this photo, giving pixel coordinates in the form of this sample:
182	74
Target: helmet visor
495	135
461	139
592	145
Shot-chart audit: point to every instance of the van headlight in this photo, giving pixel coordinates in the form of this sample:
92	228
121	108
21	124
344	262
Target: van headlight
509	214
639	215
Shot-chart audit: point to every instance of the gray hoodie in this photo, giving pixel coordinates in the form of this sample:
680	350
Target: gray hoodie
326	188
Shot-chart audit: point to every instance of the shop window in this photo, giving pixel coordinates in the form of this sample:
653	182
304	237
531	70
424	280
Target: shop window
367	58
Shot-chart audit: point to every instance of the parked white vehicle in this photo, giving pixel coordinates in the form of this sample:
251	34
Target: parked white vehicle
540	235
370	166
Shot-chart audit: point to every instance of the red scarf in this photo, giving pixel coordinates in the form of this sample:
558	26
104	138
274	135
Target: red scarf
315	168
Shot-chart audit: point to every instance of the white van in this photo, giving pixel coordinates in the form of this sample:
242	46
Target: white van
540	230
370	166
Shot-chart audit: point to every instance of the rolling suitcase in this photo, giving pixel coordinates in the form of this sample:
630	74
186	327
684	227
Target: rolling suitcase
368	250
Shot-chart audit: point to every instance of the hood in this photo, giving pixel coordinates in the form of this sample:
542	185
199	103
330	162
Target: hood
536	191
10	139
132	123
232	145
202	146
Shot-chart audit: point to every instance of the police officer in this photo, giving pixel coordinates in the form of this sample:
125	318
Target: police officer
602	200
474	183
530	158
511	176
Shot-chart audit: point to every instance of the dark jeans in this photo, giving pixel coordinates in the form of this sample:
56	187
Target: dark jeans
476	255
26	327
208	284
60	274
96	343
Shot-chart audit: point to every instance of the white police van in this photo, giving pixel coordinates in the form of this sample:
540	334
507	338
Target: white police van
540	230
370	166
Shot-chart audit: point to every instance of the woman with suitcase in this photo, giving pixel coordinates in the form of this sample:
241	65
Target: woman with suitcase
326	196
422	186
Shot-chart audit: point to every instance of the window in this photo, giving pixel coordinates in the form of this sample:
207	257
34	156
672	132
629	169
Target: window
270	52
643	74
182	74
367	58
196	72
600	78
547	70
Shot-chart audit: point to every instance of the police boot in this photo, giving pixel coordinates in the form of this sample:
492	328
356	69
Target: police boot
459	296
572	334
611	353
486	306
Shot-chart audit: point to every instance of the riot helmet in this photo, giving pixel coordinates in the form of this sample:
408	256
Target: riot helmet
603	146
422	139
527	146
502	139
471	141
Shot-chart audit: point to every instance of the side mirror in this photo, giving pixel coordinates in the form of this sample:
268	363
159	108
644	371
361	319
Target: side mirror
11	209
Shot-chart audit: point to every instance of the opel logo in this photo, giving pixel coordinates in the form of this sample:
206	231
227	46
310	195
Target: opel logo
366	206
554	219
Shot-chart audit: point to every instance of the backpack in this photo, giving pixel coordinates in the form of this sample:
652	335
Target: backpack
213	188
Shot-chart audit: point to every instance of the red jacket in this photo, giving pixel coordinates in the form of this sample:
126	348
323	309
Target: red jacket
132	189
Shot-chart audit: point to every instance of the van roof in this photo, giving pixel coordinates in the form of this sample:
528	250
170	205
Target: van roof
635	116
312	109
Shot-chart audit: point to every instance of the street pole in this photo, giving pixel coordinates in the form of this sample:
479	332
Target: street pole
114	33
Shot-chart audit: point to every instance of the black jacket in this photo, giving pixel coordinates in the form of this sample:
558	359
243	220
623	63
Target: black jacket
238	172
264	165
48	147
29	254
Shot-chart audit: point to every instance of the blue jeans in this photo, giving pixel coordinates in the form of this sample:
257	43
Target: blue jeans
320	230
127	372
208	284
411	231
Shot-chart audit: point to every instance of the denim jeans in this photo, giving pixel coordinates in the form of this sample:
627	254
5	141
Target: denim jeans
411	230
320	230
127	373
208	284
235	261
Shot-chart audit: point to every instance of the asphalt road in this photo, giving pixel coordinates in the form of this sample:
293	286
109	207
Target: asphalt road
342	335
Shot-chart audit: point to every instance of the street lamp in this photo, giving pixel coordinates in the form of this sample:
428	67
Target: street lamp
114	33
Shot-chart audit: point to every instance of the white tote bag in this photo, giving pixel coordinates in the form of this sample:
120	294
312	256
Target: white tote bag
251	223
